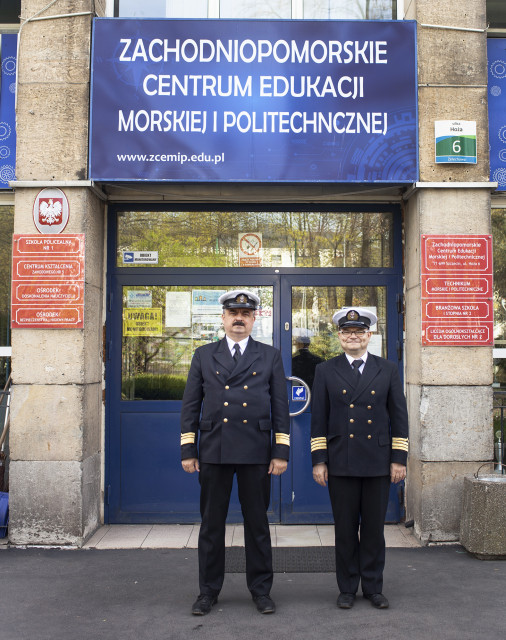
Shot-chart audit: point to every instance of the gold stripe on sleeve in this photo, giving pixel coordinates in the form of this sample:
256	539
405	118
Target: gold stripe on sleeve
283	438
401	444
318	443
187	438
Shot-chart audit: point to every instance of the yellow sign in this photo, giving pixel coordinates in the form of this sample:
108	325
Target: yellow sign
142	322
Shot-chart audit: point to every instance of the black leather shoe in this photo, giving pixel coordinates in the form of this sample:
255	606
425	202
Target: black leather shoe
203	604
378	600
264	604
345	600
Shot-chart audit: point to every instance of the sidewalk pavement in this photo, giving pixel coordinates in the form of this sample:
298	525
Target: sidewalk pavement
185	536
439	592
181	536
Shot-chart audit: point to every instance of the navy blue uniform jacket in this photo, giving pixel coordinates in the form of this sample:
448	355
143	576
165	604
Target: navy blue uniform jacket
238	414
358	429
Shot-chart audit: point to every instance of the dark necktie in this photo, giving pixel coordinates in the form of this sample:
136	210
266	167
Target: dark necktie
237	354
356	364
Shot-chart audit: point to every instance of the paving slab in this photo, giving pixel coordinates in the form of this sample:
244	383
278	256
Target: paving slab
168	536
300	536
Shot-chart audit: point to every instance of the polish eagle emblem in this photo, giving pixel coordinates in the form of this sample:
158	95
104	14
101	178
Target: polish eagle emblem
50	211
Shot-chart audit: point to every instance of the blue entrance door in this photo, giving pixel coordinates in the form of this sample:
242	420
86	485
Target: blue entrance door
307	338
156	322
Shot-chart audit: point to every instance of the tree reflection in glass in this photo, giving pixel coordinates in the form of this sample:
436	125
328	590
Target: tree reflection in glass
317	239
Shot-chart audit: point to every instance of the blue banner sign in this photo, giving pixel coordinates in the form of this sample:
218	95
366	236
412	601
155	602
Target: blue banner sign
7	109
254	101
497	110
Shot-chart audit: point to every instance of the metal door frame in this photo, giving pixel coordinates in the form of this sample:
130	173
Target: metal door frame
280	278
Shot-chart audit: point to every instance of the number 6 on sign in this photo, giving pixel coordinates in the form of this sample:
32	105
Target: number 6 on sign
455	141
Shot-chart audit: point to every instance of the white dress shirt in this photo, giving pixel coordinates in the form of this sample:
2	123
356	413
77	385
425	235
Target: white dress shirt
351	359
242	345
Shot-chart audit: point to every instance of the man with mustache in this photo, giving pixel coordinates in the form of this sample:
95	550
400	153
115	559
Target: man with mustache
236	405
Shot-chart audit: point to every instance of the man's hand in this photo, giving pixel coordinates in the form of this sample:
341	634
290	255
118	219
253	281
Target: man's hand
321	474
397	472
190	465
277	466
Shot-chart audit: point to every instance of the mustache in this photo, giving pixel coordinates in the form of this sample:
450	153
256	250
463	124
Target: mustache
238	322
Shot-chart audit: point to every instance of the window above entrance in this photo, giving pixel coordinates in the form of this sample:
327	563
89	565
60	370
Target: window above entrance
231	239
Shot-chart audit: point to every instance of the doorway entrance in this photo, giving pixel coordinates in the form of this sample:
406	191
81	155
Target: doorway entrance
157	316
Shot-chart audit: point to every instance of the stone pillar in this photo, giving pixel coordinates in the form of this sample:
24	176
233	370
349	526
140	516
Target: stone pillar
56	419
449	388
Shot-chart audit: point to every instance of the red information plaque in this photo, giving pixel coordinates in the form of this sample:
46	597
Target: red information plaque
457	294
48	281
450	285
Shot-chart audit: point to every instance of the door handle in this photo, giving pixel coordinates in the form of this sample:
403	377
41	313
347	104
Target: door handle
308	395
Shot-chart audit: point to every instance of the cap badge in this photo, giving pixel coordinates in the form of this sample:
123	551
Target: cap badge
352	315
241	298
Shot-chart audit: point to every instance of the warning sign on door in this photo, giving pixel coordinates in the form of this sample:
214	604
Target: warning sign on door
250	249
142	322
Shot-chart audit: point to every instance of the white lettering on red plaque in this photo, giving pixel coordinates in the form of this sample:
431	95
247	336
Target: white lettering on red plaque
458	334
33	268
48	281
461	286
48	318
69	245
49	293
457	293
468	254
51	211
468	309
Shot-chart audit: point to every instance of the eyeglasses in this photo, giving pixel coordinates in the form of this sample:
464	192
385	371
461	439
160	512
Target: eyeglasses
349	332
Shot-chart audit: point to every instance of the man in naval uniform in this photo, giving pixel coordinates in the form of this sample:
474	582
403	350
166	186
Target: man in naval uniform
359	444
236	405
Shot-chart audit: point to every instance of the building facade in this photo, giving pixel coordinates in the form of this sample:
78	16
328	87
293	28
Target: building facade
94	433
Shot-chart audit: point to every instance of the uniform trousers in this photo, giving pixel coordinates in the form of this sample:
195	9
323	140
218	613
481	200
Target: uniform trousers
359	502
254	488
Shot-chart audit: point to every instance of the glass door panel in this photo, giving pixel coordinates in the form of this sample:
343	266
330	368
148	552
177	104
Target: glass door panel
162	327
313	339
